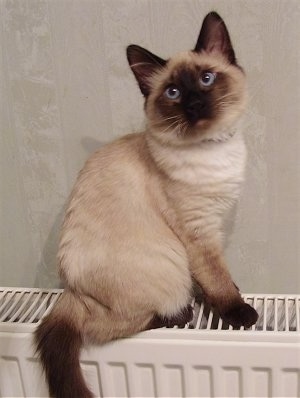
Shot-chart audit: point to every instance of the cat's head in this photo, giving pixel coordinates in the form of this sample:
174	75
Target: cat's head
196	95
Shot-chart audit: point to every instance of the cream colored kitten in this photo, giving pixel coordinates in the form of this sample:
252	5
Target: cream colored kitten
145	217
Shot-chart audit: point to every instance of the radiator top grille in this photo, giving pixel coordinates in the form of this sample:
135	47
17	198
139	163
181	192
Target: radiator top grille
18	305
277	313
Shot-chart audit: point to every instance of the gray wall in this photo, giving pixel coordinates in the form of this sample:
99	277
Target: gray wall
66	89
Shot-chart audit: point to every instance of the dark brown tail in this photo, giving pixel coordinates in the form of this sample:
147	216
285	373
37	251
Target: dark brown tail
58	344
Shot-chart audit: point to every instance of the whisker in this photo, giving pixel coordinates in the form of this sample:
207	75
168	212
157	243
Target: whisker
170	126
186	128
228	102
183	126
177	117
226	96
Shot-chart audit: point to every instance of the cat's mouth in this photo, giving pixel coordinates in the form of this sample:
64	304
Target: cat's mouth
201	123
198	126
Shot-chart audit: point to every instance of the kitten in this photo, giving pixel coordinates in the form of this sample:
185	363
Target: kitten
145	216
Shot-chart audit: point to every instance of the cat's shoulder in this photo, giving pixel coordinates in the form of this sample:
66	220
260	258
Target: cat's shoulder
126	153
126	144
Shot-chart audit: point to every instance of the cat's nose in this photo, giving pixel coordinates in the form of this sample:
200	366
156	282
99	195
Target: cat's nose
194	110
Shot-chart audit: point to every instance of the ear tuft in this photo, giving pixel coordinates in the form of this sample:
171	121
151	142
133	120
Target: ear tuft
214	37
143	64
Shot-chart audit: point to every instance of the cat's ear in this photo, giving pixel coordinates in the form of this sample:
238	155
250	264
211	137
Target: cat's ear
143	64
214	37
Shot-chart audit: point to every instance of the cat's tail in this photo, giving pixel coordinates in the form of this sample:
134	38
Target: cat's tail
58	340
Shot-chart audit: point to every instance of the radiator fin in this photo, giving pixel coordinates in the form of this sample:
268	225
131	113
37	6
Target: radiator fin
11	380
202	382
173	385
262	382
144	381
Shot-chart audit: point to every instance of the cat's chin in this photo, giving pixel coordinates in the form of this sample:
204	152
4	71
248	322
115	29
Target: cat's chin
202	131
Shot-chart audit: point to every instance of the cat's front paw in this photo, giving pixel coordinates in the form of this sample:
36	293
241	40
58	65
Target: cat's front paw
241	315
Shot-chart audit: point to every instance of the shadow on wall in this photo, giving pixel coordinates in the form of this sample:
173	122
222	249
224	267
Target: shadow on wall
46	274
229	224
47	270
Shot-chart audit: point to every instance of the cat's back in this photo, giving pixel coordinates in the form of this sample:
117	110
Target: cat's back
112	184
116	170
116	158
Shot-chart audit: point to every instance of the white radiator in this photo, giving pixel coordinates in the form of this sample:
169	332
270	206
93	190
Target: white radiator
211	360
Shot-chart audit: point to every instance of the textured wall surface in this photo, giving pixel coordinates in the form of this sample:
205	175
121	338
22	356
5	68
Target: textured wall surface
66	89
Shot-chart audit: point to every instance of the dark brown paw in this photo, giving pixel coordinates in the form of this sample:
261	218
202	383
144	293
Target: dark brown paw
241	315
180	319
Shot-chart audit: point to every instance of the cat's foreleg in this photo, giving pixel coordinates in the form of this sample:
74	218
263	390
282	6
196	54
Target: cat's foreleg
210	272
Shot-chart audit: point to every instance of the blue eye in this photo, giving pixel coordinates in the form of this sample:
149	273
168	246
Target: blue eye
172	92
208	78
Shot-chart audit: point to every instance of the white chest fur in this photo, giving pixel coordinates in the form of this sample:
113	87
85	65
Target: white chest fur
212	167
206	181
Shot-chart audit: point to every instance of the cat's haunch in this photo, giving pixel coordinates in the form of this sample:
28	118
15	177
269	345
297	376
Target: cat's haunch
145	218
